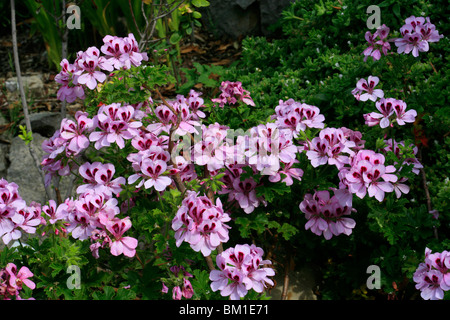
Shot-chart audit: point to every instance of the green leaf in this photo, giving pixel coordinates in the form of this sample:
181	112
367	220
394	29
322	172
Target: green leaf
175	38
200	3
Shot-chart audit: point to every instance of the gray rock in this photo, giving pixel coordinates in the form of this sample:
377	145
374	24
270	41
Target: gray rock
45	123
33	85
235	18
3	157
23	171
270	12
301	285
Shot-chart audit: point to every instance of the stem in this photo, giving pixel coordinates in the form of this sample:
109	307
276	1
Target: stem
22	95
427	192
210	263
286	279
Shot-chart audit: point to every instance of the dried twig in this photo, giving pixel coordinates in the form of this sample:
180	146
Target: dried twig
427	192
22	94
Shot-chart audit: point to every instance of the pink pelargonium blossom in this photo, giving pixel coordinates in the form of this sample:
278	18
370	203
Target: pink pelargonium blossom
365	89
89	63
152	174
297	116
327	215
287	174
245	194
369	174
74	132
19	278
117	123
403	116
241	268
391	110
432	277
120	244
201	223
99	177
232	93
378	43
70	89
416	33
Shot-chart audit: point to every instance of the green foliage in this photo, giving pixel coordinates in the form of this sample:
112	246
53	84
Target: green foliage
43	13
26	136
318	60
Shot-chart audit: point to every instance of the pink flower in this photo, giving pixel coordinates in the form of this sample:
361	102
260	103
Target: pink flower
176	293
74	133
99	177
245	194
327	215
120	244
116	123
151	173
200	223
369	174
416	35
232	93
432	277
18	279
187	290
70	89
289	172
402	116
241	269
376	47
388	107
88	63
317	152
365	89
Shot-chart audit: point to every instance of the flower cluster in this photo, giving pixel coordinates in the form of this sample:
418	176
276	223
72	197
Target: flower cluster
326	215
378	43
332	146
15	216
179	274
241	269
416	33
67	142
201	223
232	93
368	174
432	277
117	123
297	116
89	66
392	110
93	214
12	281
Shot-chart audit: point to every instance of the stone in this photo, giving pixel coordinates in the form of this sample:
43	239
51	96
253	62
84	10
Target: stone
301	285
33	85
45	123
23	171
232	18
236	18
270	11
